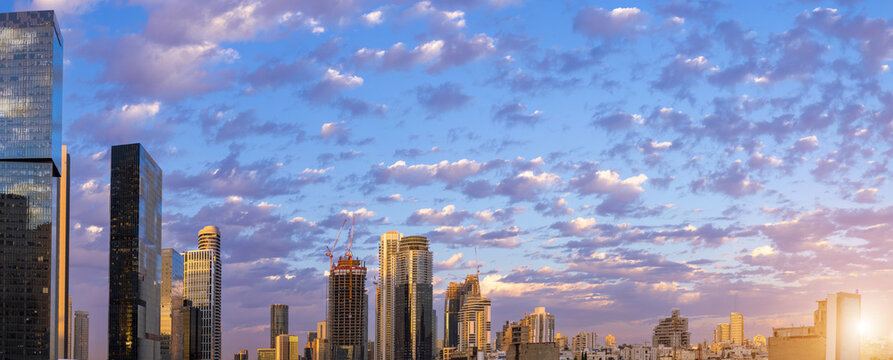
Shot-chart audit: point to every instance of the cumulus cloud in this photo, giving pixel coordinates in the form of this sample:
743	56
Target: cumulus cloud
437	55
596	22
620	192
618	121
866	195
471	235
445	97
446	216
450	173
733	181
512	114
576	227
331	84
373	18
127	123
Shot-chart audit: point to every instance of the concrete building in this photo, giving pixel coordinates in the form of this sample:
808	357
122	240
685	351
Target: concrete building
842	337
636	352
723	333
288	347
278	322
171	301
584	340
81	335
560	340
736	328
541	325
266	354
134	316
802	342
385	295
533	351
33	189
203	277
320	344
347	317
672	332
474	324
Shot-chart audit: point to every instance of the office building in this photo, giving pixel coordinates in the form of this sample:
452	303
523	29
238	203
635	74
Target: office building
672	332
278	322
191	319
135	255
308	349
723	333
81	335
347	317
451	305
842	336
287	347
320	344
541	326
171	301
33	240
203	278
241	355
62	302
414	323
385	295
736	328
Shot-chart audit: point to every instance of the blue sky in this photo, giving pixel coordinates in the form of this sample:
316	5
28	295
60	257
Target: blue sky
610	160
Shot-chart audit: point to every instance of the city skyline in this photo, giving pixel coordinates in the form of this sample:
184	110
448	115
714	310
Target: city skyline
714	158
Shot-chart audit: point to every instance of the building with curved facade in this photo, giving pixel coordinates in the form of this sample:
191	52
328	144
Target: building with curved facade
414	320
203	274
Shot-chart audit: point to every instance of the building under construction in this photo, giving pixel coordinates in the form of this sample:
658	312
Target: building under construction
347	315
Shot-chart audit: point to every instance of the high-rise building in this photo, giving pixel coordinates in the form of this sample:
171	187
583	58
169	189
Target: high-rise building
203	277
474	325
385	295
451	306
171	301
560	340
541	325
62	302
192	324
81	335
287	347
135	255
723	333
278	322
241	355
414	323
736	328
842	336
320	344
672	332
610	341
309	348
266	354
584	340
33	240
348	315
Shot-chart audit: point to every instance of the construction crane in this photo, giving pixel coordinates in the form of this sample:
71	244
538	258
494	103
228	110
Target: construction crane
332	248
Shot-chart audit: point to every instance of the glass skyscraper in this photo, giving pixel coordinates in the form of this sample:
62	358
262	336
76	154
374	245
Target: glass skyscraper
278	322
134	255
30	160
414	311
171	301
203	272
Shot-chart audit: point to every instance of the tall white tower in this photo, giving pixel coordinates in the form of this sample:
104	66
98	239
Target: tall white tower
385	295
203	273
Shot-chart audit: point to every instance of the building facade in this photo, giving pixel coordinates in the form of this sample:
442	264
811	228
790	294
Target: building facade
171	301
347	315
672	332
287	347
30	167
192	324
81	335
541	325
278	322
842	336
414	320
203	278
134	255
451	305
474	325
736	328
241	355
385	295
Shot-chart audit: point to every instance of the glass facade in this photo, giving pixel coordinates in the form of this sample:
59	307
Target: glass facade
414	314
278	322
203	279
171	301
134	255
30	135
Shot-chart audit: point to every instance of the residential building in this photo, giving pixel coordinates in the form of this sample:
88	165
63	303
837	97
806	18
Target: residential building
203	277
474	324
241	355
413	321
347	310
385	296
278	322
135	255
584	340
560	340
736	328
541	326
672	332
171	301
81	335
33	198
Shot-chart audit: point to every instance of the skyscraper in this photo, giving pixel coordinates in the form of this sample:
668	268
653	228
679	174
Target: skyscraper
451	305
62	303
30	161
348	315
385	295
842	337
474	324
320	343
278	322
171	301
414	323
736	328
81	335
134	255
203	287
672	332
541	325
287	347
192	324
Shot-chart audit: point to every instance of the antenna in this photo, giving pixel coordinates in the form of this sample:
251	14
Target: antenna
478	264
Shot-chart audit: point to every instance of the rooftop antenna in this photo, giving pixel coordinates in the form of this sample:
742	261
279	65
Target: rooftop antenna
478	264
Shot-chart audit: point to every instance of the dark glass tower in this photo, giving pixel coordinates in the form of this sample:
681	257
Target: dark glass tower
414	315
278	322
30	160
134	255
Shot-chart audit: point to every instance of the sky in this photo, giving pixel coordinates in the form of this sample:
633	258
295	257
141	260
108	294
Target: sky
610	160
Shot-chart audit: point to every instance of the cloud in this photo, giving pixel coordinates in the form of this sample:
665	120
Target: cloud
337	132
245	123
446	216
455	236
733	181
620	193
275	73
556	207
438	55
596	22
805	145
331	84
576	227
618	121
373	18
865	195
450	173
445	97
126	124
512	114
